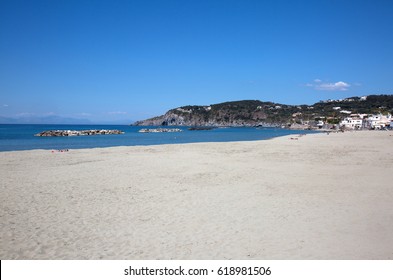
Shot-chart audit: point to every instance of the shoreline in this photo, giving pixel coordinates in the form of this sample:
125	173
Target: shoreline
323	132
131	138
318	197
148	145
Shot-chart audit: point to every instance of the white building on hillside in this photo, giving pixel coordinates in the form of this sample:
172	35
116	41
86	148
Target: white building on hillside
352	123
361	116
379	121
320	124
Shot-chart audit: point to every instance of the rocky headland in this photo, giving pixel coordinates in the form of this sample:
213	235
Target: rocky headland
270	114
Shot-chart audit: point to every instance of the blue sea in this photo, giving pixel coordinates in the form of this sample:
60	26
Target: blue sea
21	137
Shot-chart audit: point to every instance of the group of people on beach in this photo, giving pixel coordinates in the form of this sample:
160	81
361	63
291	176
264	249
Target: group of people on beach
297	138
60	151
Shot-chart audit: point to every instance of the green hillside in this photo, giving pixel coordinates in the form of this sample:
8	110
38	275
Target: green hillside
255	112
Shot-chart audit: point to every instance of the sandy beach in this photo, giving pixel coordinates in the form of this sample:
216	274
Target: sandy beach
316	196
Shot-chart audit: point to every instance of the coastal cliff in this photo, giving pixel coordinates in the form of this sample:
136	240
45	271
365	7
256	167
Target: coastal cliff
237	113
258	113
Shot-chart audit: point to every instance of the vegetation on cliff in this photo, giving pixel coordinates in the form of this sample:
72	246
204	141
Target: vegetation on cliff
255	112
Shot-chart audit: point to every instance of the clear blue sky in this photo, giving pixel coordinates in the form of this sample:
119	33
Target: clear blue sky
115	60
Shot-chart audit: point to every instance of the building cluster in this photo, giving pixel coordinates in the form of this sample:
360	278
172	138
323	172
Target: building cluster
364	121
363	98
352	121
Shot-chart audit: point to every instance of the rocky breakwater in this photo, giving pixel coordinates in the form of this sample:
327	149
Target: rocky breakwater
157	130
60	133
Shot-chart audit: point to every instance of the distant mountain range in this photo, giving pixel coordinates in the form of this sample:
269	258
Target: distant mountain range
255	112
54	119
43	120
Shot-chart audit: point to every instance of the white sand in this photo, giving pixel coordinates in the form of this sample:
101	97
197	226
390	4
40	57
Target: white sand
319	197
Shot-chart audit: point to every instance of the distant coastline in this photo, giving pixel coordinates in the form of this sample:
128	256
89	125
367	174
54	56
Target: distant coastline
324	114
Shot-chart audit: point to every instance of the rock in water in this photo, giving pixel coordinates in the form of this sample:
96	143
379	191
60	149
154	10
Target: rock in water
156	130
60	133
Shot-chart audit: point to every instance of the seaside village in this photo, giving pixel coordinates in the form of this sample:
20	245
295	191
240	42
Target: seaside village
354	122
347	121
364	121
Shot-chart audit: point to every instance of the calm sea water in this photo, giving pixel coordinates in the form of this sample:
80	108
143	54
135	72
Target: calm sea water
21	137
